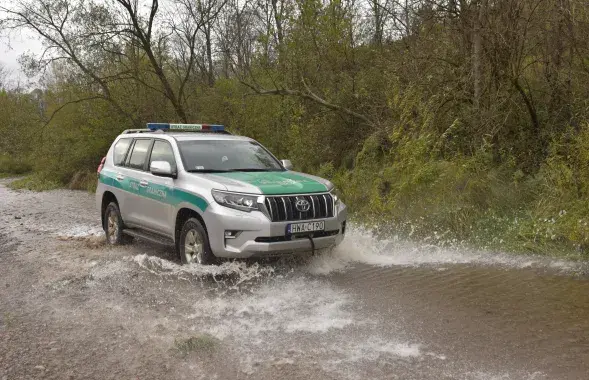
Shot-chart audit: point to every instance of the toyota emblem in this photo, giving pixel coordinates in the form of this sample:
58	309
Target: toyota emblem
302	205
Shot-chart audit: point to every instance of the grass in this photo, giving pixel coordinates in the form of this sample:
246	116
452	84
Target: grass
197	343
38	181
34	182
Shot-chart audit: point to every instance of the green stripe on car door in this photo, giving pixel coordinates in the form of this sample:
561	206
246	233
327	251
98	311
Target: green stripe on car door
153	191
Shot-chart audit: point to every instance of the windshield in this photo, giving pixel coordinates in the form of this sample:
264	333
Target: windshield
226	155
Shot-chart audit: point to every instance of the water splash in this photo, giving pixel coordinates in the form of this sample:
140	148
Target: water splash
503	376
361	245
287	306
234	273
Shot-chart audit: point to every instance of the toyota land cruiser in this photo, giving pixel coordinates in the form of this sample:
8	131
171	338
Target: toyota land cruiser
212	194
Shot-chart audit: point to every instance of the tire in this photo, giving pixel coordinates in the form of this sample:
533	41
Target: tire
113	225
194	244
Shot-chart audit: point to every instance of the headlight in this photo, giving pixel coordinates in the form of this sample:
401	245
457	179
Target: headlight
335	194
235	200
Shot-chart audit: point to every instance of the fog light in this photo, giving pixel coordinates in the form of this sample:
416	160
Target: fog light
231	234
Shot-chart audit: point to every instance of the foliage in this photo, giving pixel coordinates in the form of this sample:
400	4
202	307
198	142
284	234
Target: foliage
14	166
449	121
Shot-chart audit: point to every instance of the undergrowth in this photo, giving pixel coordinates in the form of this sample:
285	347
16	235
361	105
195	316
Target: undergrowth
11	167
471	200
35	182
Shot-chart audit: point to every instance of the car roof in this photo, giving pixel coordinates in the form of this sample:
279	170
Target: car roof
187	136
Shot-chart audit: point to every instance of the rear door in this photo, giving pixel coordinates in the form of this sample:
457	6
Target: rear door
159	192
135	181
116	174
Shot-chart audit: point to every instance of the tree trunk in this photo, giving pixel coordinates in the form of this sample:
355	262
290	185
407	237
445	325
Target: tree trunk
278	20
210	73
407	19
377	38
476	56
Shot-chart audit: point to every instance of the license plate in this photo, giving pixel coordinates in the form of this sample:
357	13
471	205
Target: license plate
299	228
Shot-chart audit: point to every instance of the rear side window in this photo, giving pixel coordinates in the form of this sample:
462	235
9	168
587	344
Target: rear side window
162	151
120	151
139	154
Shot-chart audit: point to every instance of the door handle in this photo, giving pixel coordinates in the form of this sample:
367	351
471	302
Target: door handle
120	177
143	183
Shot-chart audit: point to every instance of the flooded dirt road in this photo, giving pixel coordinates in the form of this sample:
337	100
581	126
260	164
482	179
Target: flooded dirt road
73	308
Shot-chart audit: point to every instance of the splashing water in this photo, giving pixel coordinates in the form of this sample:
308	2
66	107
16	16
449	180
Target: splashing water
238	272
362	246
286	306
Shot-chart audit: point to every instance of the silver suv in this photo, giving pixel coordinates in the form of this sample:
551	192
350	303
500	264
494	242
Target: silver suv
212	194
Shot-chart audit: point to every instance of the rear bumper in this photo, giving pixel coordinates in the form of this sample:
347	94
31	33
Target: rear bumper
257	234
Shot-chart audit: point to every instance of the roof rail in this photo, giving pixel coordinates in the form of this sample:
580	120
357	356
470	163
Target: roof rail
223	132
137	131
160	131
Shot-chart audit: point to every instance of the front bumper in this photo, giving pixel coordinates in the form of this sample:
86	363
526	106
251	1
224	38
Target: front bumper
259	237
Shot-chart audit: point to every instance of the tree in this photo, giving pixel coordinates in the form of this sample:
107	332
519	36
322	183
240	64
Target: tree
83	35
73	33
3	77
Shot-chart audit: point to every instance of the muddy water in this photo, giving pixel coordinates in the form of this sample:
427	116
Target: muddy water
371	309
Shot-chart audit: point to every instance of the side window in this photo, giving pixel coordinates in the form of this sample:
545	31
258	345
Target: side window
120	151
162	151
139	154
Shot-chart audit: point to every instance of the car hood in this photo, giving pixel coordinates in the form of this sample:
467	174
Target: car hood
272	183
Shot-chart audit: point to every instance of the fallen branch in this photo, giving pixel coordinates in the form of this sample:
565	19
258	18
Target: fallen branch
67	104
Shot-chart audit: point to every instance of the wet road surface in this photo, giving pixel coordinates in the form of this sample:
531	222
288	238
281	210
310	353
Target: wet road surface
71	307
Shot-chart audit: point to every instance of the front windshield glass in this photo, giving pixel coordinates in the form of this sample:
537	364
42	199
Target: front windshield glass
226	155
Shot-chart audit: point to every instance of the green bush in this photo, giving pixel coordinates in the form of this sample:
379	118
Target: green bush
13	166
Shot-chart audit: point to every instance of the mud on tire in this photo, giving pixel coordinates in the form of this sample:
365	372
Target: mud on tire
113	225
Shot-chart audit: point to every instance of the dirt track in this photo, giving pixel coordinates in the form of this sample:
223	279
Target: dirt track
71	307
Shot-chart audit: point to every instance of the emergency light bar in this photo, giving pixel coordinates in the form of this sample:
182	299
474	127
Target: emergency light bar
185	127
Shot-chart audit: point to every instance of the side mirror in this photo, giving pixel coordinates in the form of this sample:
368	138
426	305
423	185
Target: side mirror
162	169
287	164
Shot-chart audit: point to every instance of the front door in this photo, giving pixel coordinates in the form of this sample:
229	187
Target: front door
159	216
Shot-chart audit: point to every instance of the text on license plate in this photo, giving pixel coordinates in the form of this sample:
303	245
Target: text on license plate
297	228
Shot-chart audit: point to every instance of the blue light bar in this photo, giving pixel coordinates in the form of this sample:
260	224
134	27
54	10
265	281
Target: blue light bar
156	126
185	127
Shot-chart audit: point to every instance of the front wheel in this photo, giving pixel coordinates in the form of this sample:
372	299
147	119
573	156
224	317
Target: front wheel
194	244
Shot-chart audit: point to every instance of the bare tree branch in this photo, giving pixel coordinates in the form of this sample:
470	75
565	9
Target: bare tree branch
309	95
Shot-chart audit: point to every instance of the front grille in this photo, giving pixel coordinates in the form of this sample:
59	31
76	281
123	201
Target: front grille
283	208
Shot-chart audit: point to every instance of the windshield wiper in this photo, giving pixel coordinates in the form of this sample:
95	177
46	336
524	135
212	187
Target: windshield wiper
232	170
207	171
254	170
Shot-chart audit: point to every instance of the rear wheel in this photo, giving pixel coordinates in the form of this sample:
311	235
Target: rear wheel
113	225
194	244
